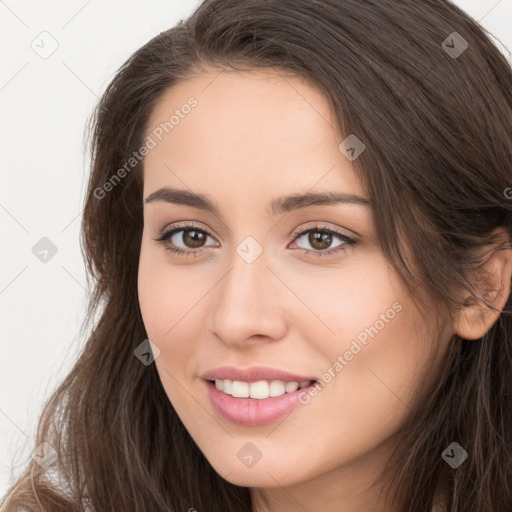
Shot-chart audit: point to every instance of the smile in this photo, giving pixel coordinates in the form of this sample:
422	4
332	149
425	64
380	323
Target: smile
263	402
258	390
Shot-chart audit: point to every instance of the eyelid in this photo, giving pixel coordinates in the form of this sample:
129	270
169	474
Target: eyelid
322	226
184	225
348	240
299	231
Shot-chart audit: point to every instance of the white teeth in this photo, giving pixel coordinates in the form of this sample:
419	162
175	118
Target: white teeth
291	387
258	390
227	386
240	389
277	388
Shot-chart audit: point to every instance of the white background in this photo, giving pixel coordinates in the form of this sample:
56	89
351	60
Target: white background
45	104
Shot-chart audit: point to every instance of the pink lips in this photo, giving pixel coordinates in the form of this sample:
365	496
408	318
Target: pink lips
249	411
254	374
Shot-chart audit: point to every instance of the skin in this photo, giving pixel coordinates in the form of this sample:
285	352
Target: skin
252	137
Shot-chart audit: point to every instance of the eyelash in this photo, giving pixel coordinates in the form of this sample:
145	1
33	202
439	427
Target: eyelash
165	235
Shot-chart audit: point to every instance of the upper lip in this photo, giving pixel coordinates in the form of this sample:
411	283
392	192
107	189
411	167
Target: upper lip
254	374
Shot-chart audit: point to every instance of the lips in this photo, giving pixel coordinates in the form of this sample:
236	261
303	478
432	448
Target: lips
254	374
249	411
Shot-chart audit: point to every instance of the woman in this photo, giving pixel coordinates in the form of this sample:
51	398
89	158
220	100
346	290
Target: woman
298	226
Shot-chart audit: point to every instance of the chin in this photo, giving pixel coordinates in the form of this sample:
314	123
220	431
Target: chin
260	478
264	473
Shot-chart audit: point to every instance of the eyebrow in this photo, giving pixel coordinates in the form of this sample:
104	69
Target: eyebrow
279	205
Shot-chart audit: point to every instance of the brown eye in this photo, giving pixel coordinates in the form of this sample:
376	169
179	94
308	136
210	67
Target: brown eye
320	240
185	240
193	238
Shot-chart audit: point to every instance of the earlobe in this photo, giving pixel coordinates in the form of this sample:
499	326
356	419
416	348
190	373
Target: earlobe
477	318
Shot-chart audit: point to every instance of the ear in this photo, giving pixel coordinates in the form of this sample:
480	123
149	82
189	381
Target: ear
477	318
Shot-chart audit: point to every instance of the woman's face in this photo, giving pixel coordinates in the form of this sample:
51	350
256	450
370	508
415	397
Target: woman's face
268	281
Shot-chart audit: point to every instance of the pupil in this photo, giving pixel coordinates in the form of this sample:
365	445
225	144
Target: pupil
194	240
323	238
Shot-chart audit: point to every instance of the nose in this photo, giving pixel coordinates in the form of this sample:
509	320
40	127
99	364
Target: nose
248	304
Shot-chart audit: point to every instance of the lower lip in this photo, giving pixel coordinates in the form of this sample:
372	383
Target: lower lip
251	411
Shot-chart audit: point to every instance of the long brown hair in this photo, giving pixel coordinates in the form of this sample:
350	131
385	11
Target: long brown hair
438	135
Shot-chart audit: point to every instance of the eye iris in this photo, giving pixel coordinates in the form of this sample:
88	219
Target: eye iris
323	237
319	239
197	240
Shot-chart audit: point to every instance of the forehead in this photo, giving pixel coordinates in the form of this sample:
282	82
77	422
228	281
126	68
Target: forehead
245	92
252	130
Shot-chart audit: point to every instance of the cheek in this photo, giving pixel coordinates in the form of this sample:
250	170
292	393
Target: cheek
163	293
376	352
170	299
338	303
379	368
164	302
